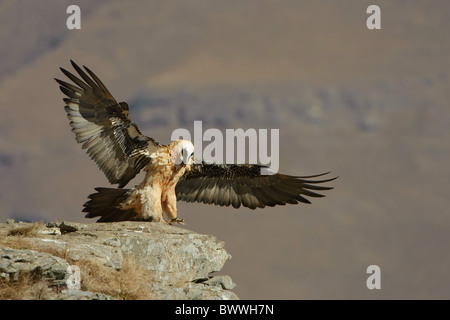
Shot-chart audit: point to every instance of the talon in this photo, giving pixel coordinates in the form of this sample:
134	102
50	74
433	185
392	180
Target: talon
165	222
177	220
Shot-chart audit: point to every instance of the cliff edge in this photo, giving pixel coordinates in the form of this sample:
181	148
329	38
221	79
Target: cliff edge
122	260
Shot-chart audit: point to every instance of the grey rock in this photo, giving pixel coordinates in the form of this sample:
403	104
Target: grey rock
180	261
67	226
108	256
51	231
14	262
224	282
214	288
81	295
191	291
52	224
175	254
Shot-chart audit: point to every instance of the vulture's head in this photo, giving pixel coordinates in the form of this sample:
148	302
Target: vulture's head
182	152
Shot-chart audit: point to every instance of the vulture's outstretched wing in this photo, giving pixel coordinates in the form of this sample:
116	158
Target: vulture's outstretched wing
104	127
237	184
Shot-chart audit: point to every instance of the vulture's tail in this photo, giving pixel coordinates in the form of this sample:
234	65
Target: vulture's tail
105	204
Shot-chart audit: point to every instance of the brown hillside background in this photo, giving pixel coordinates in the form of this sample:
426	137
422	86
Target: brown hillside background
370	106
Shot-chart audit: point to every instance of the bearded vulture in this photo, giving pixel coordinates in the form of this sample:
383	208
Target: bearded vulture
104	128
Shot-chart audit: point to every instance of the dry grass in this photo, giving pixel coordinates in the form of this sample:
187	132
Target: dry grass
18	238
19	243
27	230
128	283
27	287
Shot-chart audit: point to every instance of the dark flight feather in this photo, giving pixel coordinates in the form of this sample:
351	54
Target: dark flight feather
104	127
105	203
243	184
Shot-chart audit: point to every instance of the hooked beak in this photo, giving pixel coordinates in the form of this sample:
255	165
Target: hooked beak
187	158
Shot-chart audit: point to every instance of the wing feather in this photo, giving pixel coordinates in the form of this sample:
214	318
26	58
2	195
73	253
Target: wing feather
237	185
104	127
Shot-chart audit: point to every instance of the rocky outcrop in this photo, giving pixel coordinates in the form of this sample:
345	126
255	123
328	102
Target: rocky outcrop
124	260
14	262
